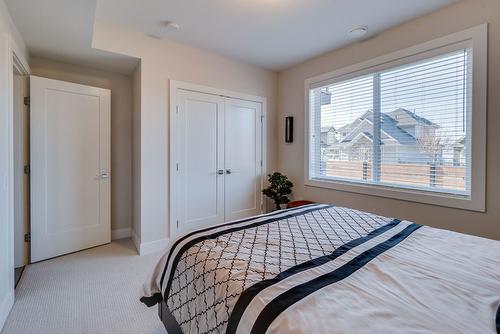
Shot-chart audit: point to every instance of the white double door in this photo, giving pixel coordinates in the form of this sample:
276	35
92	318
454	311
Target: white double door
216	151
70	167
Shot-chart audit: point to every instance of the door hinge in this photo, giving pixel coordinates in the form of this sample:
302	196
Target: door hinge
27	101
27	237
176	109
177	223
261	164
261	118
27	169
177	166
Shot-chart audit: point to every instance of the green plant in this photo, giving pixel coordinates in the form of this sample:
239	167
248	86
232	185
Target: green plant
278	189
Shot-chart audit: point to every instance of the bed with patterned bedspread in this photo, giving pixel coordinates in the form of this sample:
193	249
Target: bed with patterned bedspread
327	269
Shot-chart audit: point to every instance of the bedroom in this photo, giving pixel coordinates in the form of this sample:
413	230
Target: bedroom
321	92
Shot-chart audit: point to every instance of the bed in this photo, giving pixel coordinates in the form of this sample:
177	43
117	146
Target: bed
327	269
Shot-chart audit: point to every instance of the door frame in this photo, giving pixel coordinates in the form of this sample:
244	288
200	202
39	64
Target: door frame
22	129
15	60
174	87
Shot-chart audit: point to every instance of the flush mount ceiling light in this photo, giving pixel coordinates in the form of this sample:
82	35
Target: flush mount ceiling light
163	28
358	32
171	26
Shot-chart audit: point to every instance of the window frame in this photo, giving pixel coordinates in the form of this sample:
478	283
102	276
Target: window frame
475	38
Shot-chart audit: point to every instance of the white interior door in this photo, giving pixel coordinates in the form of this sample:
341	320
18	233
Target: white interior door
198	155
70	167
243	158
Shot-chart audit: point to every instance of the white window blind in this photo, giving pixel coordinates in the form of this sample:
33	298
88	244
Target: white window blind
406	127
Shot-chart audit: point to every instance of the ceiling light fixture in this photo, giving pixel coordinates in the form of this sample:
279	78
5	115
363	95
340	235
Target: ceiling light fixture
171	25
357	32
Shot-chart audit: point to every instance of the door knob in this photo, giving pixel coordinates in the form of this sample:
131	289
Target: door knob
103	175
228	171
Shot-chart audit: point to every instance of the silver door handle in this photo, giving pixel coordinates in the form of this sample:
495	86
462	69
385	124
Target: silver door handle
228	171
220	172
104	175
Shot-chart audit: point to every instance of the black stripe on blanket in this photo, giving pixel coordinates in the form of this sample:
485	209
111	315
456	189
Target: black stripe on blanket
498	319
248	295
229	230
274	213
290	297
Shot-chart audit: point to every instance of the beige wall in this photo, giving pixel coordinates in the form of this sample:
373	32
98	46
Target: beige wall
121	127
462	15
161	61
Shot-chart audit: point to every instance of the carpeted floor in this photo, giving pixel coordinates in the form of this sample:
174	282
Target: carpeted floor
93	291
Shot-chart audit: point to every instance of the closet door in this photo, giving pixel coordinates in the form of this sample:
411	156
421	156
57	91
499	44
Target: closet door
243	156
198	153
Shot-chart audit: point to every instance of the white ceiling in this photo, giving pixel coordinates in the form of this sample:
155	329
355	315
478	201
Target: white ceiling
273	34
62	30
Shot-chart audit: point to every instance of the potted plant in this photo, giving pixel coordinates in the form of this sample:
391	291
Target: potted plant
278	190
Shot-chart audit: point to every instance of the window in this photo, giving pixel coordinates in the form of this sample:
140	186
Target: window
403	125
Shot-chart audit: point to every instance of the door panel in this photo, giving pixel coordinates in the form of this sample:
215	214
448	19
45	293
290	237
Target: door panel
73	148
243	154
70	159
199	154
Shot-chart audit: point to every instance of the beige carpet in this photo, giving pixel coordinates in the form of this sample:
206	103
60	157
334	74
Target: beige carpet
93	291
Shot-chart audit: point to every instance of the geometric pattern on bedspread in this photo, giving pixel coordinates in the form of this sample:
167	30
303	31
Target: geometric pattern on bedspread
212	274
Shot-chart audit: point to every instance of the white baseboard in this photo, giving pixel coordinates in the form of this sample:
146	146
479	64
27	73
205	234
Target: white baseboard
121	233
153	246
5	308
144	248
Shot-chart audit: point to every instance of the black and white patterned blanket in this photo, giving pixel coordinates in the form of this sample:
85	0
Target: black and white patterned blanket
239	277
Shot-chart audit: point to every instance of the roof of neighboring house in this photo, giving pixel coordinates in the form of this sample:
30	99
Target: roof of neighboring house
460	142
388	125
369	136
355	136
362	134
416	117
327	129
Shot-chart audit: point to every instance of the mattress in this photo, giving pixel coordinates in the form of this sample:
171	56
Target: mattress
327	269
